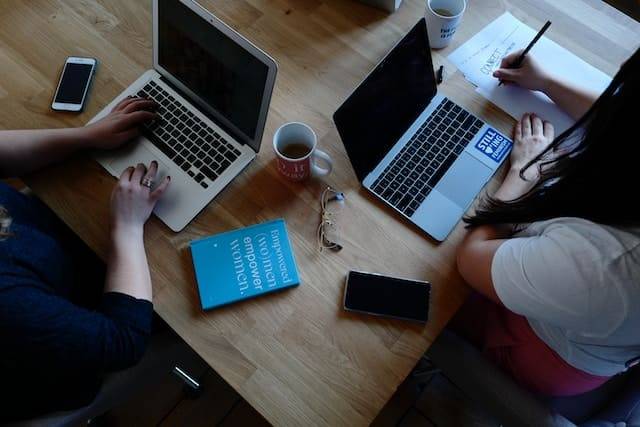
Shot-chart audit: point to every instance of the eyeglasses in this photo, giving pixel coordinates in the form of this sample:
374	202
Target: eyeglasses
327	222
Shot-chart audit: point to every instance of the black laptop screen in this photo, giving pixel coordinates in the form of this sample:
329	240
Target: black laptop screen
222	73
387	102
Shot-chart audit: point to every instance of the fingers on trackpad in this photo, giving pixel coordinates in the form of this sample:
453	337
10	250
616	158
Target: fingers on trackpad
140	155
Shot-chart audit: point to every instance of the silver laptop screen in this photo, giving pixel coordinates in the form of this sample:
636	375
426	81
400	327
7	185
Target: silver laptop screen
223	74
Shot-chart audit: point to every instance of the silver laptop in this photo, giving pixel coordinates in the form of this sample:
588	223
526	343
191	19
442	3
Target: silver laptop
421	153
213	88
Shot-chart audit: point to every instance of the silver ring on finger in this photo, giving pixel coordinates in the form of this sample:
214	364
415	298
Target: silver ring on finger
147	182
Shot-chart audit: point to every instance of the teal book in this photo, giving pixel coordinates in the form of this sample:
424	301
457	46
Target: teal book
244	263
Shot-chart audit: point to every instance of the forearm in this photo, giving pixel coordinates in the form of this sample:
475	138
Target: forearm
511	188
475	254
573	99
514	186
127	269
23	151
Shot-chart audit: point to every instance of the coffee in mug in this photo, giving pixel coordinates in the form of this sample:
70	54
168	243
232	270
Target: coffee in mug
297	155
295	150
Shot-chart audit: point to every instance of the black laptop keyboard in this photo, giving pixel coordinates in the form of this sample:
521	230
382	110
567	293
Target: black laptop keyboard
189	142
418	167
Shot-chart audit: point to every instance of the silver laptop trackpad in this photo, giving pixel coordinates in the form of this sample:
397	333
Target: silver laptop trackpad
137	153
437	215
464	180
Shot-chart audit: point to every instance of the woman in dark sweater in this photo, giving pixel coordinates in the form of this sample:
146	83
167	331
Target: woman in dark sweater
61	325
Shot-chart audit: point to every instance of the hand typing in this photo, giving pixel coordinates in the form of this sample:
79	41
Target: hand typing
121	124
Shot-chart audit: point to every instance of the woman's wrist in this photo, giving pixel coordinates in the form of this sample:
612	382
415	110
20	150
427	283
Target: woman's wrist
72	138
84	137
514	185
127	267
127	234
550	85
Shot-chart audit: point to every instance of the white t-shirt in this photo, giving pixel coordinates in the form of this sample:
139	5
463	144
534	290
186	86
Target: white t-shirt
578	285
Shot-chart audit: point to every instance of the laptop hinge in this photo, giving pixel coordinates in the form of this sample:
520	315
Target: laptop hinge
225	128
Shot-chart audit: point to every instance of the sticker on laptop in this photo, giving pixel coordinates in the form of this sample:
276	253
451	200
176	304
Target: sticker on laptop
493	145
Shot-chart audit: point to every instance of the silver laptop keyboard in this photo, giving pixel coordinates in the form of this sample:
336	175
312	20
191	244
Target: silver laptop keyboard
189	142
430	152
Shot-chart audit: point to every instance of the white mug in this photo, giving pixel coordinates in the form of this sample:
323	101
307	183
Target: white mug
304	164
442	26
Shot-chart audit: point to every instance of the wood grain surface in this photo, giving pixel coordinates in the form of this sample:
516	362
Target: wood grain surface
296	357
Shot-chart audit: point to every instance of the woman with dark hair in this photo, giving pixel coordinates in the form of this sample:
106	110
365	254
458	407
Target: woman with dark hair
63	324
555	252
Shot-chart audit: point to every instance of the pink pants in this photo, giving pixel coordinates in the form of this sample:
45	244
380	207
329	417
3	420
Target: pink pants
507	339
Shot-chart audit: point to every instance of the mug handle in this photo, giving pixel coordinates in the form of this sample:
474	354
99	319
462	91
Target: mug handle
317	170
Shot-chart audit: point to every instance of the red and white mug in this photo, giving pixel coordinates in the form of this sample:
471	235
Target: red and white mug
297	154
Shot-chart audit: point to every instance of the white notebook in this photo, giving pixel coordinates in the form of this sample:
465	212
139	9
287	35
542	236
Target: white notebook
481	55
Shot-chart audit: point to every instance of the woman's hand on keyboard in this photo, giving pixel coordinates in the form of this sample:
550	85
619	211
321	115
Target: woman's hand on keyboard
121	124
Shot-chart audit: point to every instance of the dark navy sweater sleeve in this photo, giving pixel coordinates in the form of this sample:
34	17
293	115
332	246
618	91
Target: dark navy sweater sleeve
34	322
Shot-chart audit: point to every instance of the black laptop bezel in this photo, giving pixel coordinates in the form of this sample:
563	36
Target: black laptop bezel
341	116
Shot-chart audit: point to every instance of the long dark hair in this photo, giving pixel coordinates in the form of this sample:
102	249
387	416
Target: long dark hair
597	177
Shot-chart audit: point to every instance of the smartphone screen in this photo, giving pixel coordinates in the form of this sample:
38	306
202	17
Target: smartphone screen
73	84
387	296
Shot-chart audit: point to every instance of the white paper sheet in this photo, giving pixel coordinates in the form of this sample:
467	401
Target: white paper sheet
481	55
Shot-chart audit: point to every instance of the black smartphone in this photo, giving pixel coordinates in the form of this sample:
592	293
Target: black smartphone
74	83
387	296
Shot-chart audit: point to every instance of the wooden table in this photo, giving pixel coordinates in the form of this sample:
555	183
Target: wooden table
295	356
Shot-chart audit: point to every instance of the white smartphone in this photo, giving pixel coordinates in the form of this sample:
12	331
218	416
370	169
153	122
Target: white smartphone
74	83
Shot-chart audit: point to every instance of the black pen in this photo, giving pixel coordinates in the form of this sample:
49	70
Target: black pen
440	74
518	62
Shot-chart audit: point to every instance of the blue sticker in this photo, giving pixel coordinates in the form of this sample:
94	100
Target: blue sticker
493	145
